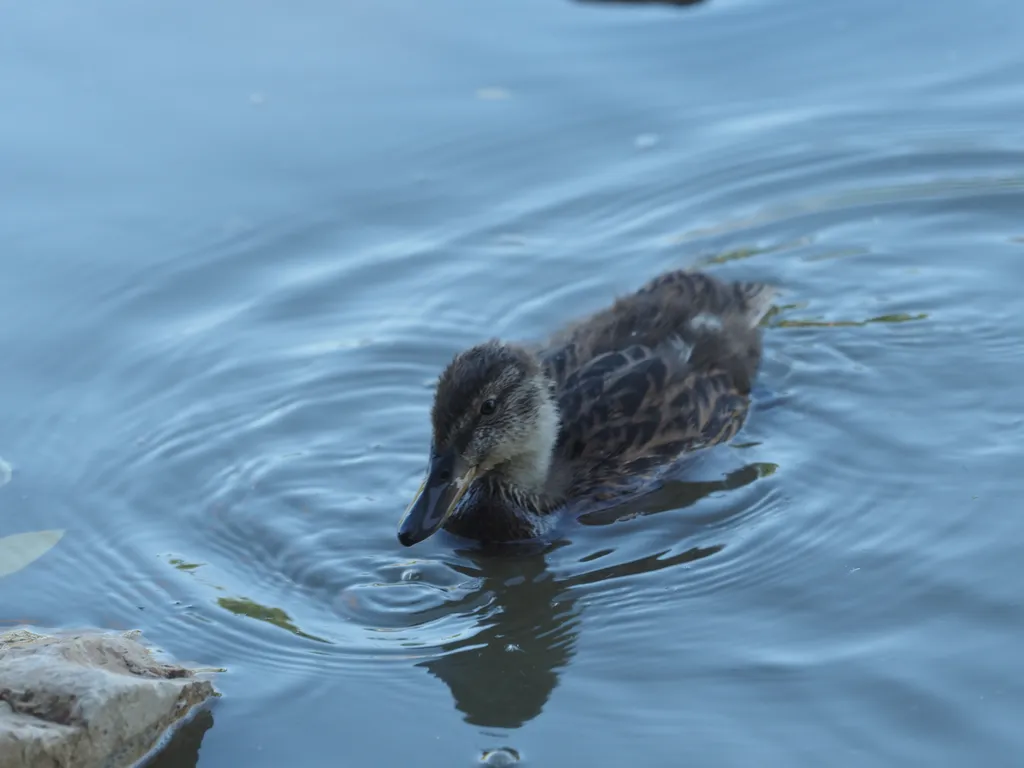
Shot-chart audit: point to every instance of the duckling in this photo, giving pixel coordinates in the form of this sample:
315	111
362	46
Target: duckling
598	413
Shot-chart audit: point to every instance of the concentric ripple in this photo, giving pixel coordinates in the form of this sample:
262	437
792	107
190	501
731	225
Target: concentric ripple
232	410
280	457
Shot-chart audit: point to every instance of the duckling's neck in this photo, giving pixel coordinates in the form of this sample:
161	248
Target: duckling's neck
529	469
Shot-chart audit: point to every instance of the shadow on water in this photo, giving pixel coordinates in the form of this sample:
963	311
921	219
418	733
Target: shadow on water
502	675
182	749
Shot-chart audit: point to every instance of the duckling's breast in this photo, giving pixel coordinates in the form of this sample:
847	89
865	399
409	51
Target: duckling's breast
486	516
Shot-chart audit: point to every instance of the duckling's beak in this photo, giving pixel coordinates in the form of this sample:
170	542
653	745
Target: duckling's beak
448	478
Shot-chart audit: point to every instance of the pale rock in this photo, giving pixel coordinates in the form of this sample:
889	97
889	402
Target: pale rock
88	700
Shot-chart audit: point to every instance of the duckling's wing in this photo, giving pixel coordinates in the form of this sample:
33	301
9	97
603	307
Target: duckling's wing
649	405
674	307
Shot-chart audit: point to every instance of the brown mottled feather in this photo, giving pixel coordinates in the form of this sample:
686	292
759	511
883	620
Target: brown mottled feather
630	401
661	372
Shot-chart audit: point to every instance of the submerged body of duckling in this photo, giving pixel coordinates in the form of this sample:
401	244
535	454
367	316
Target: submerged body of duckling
593	414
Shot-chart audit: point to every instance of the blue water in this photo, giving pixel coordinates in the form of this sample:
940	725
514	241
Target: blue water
239	241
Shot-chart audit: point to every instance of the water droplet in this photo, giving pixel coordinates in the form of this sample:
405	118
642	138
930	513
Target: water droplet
499	758
5	473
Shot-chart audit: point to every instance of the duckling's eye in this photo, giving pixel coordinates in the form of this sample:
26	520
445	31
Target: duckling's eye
489	406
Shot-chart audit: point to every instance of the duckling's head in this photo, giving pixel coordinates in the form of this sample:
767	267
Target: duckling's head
494	412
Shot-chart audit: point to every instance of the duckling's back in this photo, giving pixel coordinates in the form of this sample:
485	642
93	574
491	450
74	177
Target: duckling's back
660	372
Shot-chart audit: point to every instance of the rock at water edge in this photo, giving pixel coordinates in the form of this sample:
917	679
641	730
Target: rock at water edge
88	700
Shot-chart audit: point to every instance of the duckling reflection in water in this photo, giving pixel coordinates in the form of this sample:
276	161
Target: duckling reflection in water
600	412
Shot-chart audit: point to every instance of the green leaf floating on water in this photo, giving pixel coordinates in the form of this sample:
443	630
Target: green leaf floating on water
243	606
898	317
22	549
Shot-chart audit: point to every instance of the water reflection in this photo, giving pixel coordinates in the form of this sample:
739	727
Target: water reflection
502	675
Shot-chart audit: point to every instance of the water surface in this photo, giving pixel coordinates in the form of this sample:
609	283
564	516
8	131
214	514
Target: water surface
240	240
